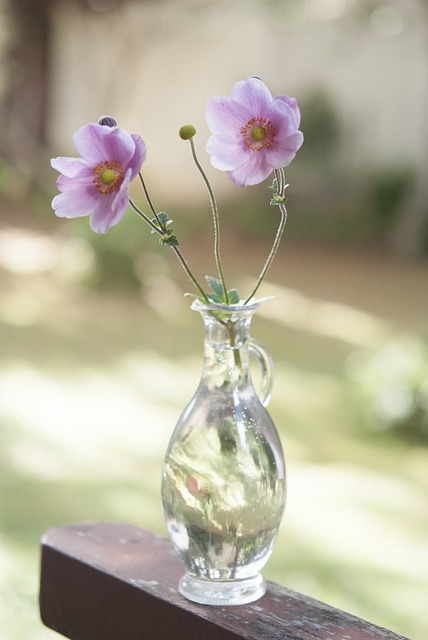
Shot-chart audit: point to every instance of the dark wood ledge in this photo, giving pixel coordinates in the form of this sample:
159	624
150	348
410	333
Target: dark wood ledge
104	581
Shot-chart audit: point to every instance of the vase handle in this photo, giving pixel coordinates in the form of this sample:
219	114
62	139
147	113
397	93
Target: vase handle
266	363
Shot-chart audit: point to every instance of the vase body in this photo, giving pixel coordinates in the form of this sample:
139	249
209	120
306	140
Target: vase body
223	484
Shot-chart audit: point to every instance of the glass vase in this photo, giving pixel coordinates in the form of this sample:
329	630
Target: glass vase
223	483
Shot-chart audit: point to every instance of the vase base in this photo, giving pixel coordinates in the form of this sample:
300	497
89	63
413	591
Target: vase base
222	592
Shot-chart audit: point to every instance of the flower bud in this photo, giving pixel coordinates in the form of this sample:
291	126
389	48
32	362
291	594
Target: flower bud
107	121
187	131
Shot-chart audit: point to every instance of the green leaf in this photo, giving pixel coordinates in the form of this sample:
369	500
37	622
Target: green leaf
277	199
164	218
233	296
168	239
215	285
213	297
228	437
274	185
219	296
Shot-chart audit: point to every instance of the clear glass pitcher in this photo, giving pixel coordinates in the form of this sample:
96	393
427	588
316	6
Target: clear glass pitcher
223	484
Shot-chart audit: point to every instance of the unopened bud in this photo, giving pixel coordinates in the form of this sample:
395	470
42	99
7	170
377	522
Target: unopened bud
107	121
187	131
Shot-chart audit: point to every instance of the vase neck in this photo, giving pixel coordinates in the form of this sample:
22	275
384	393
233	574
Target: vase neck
226	340
226	328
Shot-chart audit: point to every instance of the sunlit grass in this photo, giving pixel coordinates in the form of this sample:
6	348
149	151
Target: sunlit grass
91	385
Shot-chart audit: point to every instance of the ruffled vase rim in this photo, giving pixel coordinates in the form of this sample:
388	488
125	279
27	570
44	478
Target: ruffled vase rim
198	305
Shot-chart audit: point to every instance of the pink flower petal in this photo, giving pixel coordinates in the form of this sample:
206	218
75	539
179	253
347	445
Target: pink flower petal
226	154
97	143
64	183
284	152
254	171
74	203
111	208
253	95
224	117
139	156
292	103
283	120
100	219
104	217
70	167
118	144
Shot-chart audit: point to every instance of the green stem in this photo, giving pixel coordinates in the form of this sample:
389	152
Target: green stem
149	201
145	217
279	174
161	230
186	268
215	219
236	352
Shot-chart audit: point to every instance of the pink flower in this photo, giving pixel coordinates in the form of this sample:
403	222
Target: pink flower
97	184
252	133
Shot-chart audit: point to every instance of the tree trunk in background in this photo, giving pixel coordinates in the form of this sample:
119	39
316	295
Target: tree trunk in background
409	238
24	108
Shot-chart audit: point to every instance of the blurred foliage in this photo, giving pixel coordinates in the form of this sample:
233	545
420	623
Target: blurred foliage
389	386
386	189
321	125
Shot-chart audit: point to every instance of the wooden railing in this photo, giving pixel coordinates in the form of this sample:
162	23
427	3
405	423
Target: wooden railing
104	581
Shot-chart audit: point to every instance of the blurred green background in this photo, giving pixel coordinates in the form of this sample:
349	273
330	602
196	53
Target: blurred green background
99	349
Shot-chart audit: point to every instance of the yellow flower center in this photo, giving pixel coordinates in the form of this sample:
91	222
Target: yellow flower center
258	134
108	176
